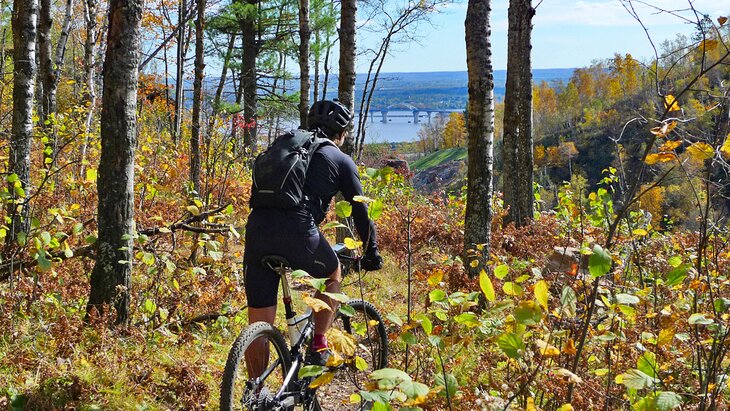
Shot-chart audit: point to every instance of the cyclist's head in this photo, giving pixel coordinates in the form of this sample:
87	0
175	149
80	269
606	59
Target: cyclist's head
331	117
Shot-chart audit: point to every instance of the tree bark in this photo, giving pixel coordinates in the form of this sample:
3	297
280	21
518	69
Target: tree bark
50	66
179	72
346	85
90	75
25	14
197	97
317	62
111	276
248	80
477	224
517	148
304	36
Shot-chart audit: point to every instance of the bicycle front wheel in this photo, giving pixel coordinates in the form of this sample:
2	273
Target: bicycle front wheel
256	368
367	329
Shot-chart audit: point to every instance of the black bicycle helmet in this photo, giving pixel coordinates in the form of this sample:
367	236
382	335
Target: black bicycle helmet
329	116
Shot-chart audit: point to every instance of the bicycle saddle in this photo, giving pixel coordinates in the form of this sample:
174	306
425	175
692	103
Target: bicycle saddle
274	261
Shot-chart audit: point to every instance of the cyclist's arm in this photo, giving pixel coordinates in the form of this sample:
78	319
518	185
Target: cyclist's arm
351	187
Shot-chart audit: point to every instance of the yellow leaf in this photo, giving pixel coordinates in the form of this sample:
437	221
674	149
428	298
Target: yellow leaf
342	342
640	232
569	347
316	304
435	278
486	285
334	360
323	379
701	151
708	44
670	103
541	293
666	336
669	146
474	263
725	149
546	349
654	158
722	20
355	398
565	407
194	210
352	244
531	405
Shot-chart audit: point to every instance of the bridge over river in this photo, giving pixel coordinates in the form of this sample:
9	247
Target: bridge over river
416	112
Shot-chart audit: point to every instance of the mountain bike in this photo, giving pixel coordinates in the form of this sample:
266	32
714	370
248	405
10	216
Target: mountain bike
280	387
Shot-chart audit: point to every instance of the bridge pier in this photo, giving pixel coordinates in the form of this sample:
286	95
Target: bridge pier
428	113
384	113
416	120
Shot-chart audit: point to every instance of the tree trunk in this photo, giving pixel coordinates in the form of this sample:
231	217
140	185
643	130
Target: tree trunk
111	276
197	97
517	147
179	80
304	36
248	80
50	66
326	80
477	224
346	85
25	14
45	74
317	61
90	75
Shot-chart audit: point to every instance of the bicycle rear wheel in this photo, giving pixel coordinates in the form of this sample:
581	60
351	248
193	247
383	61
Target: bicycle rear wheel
270	355
371	344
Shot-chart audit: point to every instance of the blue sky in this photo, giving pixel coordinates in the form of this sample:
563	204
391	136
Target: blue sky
566	34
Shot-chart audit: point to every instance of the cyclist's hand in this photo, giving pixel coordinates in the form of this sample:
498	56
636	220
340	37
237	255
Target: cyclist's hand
371	261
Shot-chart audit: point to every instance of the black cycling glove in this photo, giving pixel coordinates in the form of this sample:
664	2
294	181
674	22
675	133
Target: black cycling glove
371	261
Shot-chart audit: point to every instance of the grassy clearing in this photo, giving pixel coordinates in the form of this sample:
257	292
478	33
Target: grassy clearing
438	158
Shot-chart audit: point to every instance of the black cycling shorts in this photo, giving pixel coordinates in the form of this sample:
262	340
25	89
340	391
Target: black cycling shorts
311	253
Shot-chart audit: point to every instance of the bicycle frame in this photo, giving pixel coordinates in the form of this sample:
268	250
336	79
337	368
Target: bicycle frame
298	337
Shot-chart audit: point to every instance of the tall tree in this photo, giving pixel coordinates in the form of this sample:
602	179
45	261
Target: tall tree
92	34
249	75
25	15
346	83
180	71
197	97
51	62
480	128
304	35
111	277
517	148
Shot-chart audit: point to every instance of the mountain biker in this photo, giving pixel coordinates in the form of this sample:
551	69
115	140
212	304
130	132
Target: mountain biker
293	233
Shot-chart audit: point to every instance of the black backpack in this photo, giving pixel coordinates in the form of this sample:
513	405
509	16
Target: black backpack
279	172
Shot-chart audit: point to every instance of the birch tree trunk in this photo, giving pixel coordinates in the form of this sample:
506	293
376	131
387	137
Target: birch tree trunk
197	97
50	66
346	85
111	277
477	224
92	35
25	15
304	36
179	72
517	148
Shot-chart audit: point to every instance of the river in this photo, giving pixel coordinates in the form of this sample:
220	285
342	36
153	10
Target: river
398	128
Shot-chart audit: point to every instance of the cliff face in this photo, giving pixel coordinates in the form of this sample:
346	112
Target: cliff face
444	177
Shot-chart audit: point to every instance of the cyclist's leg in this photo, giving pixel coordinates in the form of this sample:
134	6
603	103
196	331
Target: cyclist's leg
323	319
261	286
